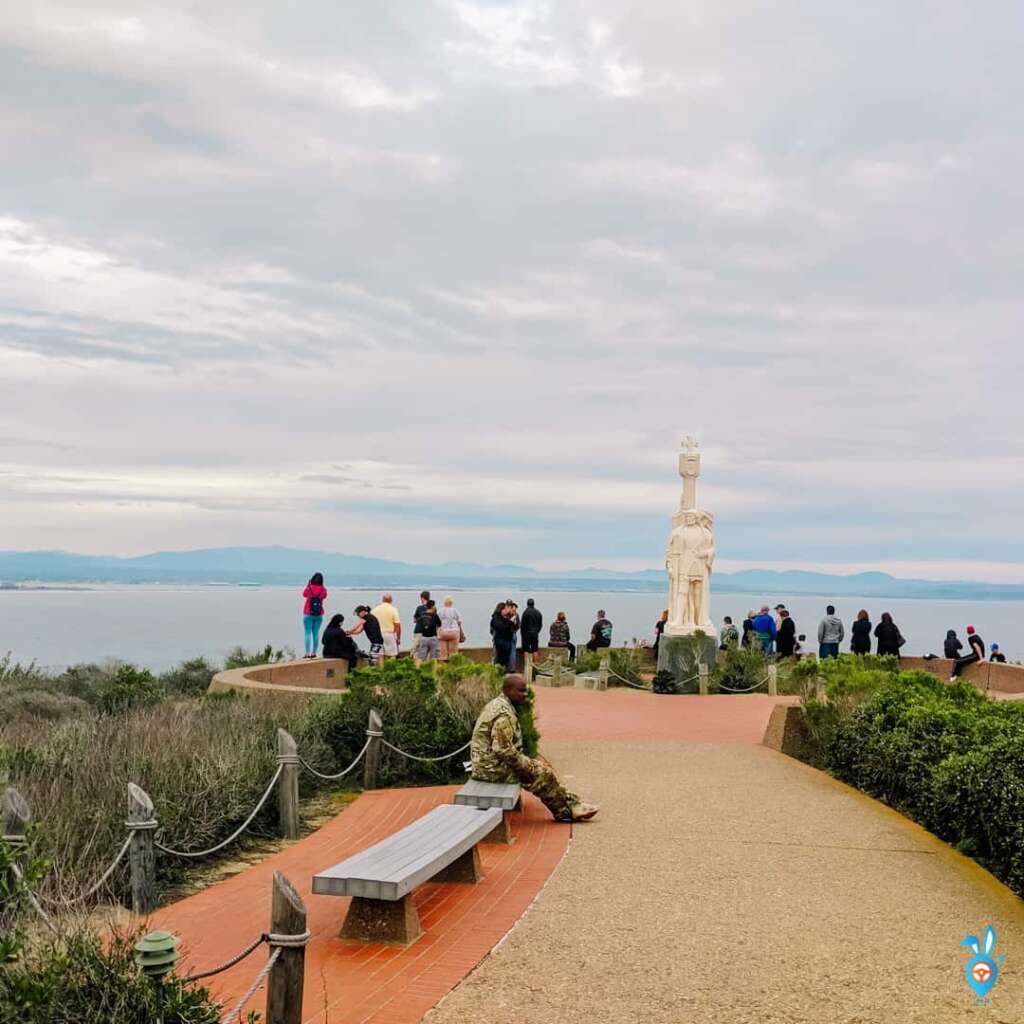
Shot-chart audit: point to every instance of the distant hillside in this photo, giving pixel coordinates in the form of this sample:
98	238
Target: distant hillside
281	565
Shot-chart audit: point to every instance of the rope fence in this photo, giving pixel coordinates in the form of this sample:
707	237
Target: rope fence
144	837
745	689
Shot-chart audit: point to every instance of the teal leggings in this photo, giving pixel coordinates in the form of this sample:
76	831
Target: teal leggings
312	624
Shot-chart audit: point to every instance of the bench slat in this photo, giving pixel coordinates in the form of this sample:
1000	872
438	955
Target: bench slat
390	869
489	794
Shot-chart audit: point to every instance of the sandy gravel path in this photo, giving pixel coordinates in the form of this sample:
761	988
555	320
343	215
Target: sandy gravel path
727	883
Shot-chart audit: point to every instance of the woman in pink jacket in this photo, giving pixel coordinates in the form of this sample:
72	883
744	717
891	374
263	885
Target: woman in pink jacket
313	612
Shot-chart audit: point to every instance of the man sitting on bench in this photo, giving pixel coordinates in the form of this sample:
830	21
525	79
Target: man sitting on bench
497	752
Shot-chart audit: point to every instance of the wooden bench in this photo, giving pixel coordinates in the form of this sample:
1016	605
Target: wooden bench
505	796
439	847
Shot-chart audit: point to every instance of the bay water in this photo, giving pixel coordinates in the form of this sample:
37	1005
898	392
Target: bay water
157	626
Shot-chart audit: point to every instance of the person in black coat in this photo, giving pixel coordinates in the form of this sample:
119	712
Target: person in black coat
338	644
785	637
748	632
976	647
888	635
951	646
504	633
860	633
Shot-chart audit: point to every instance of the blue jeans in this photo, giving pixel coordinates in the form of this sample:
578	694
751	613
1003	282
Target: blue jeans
828	651
312	626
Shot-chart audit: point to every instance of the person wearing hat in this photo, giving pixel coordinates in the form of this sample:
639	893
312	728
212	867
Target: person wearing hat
977	649
997	654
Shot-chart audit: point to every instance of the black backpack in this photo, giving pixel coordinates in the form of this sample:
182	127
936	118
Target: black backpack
316	604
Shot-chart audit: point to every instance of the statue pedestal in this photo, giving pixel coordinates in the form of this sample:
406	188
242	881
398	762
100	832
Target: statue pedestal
680	655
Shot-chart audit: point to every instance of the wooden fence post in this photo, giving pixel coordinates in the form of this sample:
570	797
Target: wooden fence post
773	680
603	668
374	730
819	690
141	855
284	984
528	667
288	785
702	679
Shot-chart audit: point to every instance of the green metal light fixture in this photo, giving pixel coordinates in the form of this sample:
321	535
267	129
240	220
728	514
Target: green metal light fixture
156	954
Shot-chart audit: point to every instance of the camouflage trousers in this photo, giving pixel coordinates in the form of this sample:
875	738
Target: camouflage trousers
539	778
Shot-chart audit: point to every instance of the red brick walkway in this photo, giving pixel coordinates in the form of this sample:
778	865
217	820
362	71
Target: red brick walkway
349	982
629	715
352	983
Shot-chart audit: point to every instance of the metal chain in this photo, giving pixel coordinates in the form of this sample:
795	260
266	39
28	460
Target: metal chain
264	971
199	975
416	757
234	835
331	778
81	897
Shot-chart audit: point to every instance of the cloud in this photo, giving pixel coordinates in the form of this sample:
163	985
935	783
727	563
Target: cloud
459	275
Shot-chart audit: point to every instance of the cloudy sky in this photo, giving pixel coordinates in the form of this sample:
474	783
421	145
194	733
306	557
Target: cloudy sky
451	279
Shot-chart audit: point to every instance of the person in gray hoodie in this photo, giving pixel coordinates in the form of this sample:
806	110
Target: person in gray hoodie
830	634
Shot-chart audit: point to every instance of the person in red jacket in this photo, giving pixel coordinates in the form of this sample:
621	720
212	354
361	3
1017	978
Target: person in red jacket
313	612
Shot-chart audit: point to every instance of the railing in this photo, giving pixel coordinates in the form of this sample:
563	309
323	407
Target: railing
143	840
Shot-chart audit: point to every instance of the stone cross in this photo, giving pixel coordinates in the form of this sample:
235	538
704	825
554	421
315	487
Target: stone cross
689	470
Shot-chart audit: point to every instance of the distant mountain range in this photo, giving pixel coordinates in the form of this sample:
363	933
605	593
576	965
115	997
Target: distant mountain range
279	565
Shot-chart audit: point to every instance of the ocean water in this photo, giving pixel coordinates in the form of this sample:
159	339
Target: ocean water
159	626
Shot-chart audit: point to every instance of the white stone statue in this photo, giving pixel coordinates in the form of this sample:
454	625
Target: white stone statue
690	556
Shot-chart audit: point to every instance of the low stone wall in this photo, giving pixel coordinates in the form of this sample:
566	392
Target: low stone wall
986	675
319	676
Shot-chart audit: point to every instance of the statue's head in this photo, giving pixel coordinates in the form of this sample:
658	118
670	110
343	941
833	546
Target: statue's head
690	518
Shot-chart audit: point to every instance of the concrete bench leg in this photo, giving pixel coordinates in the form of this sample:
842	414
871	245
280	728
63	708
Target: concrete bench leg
393	921
464	869
501	833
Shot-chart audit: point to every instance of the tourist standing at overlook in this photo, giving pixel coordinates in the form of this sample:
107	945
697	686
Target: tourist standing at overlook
338	644
860	633
764	628
600	632
785	638
951	646
420	609
504	634
512	611
369	625
451	633
390	625
428	624
313	612
531	625
749	633
559	635
997	654
830	634
889	637
659	629
977	649
729	635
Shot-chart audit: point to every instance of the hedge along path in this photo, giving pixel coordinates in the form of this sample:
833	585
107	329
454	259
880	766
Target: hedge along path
724	882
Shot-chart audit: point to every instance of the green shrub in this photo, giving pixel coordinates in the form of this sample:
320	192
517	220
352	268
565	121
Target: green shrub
241	658
943	754
418	712
627	663
15	676
128	687
664	682
191	678
738	669
82	979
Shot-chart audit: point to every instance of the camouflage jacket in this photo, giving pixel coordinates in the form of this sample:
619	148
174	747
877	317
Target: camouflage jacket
497	745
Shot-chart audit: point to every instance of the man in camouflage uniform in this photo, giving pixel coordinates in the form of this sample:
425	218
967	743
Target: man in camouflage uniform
497	753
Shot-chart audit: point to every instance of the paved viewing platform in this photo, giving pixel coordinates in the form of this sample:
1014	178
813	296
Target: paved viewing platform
722	881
